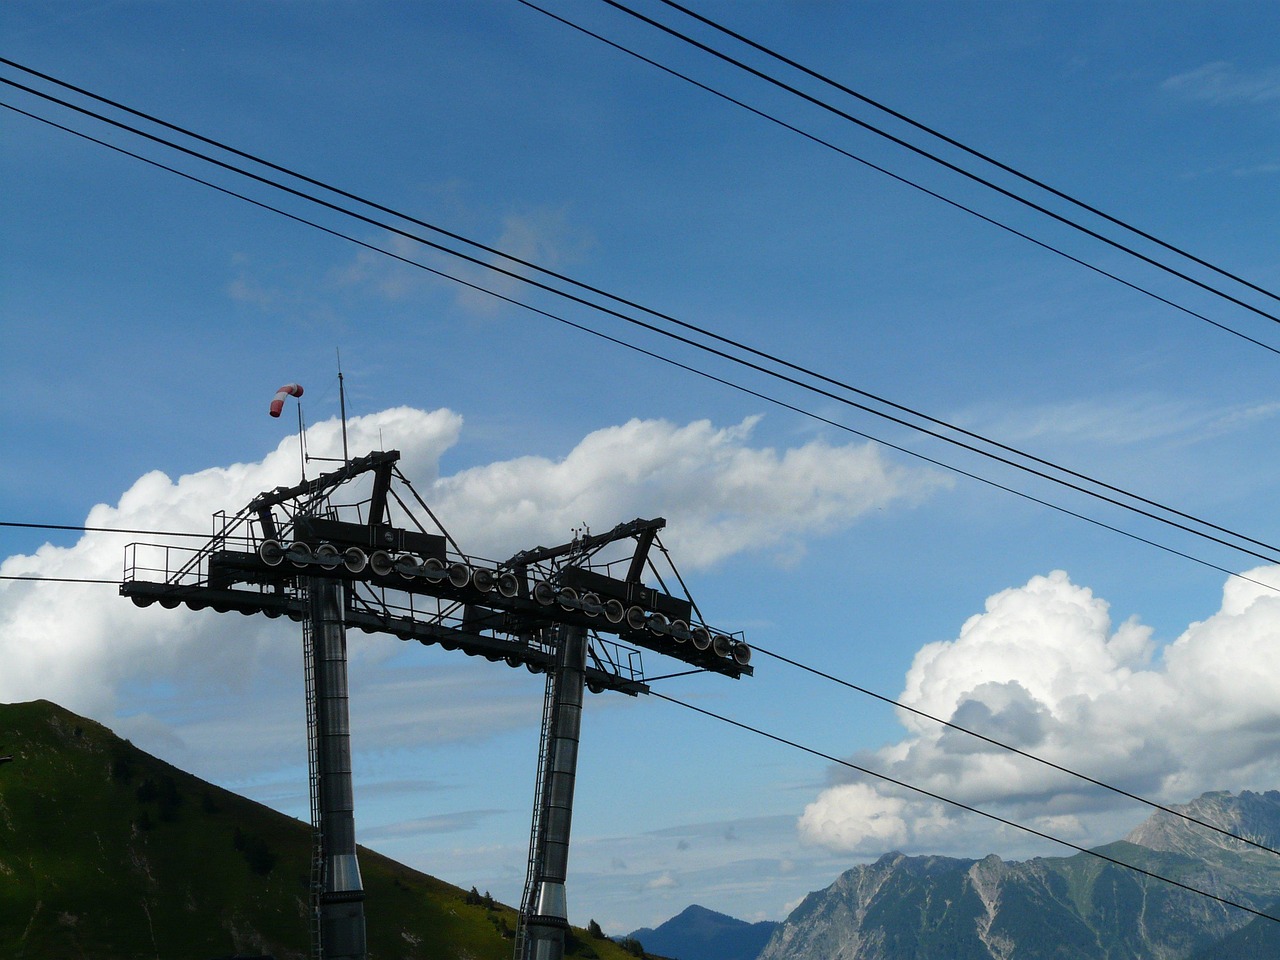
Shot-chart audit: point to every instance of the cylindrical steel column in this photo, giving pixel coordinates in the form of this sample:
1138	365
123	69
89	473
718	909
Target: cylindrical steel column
550	915
342	930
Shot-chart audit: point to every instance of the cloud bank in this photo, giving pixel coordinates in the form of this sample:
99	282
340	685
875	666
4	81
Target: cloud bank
1044	669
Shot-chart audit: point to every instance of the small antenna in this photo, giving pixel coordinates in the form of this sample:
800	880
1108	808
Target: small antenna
302	442
342	404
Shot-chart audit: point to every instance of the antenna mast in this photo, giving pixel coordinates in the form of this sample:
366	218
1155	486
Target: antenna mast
302	442
342	406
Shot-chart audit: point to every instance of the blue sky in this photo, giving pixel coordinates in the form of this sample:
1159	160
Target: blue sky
148	320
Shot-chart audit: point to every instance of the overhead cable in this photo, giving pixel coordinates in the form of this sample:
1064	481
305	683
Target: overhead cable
693	343
1046	836
920	151
1004	821
1119	791
977	154
777	656
906	181
36	578
559	276
480	246
720	380
80	528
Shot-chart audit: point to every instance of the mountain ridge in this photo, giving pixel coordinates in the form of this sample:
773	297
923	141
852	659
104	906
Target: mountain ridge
1079	907
110	853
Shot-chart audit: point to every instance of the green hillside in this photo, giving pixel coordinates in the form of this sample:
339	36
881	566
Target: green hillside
107	853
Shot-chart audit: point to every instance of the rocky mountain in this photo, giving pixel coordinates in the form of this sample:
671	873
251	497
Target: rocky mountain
702	934
1065	908
108	853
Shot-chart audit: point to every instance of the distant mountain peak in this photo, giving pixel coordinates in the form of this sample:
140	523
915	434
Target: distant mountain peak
698	933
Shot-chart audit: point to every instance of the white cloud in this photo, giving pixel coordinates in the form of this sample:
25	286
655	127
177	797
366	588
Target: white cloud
186	679
1044	669
854	818
391	279
1222	82
1117	421
81	645
720	495
543	235
664	881
1050	637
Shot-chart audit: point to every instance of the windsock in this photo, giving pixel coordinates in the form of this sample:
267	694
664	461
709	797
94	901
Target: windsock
288	390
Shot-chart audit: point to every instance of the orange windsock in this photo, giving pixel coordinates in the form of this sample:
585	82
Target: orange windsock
288	390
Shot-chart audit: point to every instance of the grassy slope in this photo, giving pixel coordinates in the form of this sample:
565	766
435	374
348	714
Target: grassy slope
108	853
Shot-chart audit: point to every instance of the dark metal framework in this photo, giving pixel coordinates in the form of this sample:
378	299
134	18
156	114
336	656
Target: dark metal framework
358	547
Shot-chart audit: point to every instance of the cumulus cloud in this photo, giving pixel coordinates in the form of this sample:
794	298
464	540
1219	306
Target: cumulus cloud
1044	669
720	495
82	646
854	818
187	677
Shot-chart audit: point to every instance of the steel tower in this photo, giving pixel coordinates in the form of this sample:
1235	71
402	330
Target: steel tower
358	547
